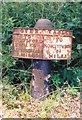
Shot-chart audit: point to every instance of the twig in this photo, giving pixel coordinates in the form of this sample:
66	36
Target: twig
58	11
21	71
45	95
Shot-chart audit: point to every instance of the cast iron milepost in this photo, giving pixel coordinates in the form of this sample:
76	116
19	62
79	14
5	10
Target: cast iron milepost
41	44
41	68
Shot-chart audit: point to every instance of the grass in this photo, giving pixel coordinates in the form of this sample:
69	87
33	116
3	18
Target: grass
62	103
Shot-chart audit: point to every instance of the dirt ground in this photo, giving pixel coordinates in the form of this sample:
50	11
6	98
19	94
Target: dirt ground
68	107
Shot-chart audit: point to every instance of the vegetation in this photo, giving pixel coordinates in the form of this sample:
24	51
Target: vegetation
17	72
63	103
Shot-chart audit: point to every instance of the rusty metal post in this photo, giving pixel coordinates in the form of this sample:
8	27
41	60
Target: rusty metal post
41	44
41	69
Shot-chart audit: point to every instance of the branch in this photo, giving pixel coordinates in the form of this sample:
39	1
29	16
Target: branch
58	11
21	71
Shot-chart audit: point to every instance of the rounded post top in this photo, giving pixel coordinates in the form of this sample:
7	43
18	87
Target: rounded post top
43	23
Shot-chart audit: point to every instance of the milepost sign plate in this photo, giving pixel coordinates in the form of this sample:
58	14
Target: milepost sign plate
47	44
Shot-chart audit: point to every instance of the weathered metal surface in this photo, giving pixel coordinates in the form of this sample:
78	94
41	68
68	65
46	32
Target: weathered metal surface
43	23
40	79
37	83
40	43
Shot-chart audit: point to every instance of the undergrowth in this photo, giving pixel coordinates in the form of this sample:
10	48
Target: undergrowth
58	104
